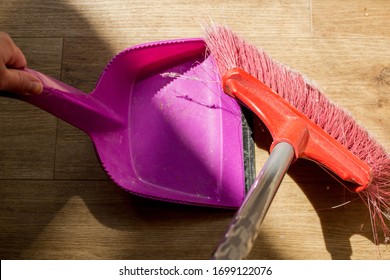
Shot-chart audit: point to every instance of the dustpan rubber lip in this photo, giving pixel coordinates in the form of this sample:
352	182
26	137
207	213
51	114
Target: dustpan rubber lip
248	147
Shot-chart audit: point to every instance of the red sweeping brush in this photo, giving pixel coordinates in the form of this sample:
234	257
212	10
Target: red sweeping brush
287	101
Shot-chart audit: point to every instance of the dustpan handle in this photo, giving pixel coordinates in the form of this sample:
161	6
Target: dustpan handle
80	109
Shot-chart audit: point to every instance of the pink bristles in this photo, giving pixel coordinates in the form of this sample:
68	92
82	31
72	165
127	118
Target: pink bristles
229	51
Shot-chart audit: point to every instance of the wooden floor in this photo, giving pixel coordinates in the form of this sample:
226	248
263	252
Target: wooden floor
57	203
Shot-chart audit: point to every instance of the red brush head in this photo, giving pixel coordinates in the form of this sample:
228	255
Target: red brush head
287	124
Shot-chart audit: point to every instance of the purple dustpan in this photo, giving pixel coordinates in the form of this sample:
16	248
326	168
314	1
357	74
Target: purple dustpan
161	125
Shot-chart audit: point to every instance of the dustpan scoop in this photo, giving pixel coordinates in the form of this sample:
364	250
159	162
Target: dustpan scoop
160	123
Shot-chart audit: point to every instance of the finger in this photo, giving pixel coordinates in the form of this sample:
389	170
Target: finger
17	60
11	56
21	82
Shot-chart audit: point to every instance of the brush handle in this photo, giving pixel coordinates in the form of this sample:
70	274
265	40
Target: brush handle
239	238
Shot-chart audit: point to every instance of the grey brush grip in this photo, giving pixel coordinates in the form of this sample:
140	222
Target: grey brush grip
242	232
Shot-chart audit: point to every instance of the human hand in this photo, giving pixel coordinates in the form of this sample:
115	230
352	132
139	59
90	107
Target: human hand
12	62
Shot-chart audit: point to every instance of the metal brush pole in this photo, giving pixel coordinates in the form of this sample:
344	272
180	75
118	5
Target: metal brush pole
242	232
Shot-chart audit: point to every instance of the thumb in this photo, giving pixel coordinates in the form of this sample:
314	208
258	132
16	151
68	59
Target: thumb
21	82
